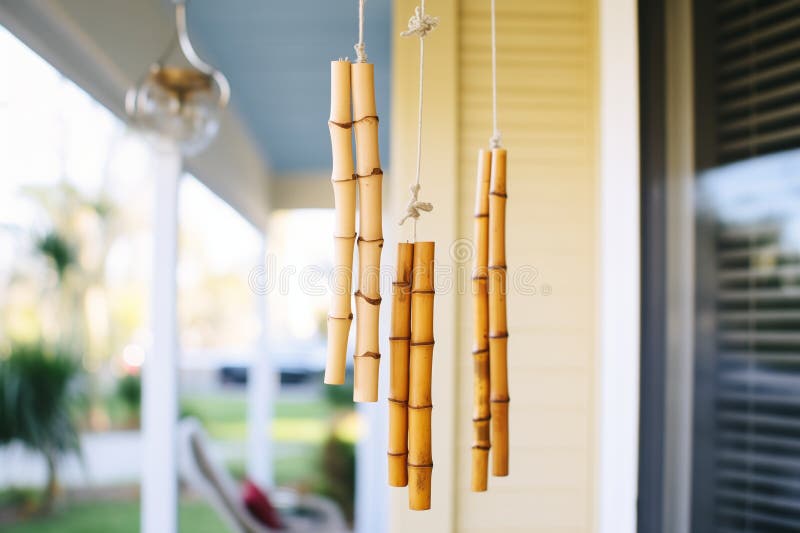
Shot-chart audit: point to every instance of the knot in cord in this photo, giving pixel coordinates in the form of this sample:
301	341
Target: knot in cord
414	206
361	52
494	140
420	24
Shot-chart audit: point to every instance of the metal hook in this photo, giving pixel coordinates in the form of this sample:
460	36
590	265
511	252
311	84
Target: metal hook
194	59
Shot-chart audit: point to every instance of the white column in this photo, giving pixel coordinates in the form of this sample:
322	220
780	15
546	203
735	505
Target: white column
262	387
160	372
372	483
619	256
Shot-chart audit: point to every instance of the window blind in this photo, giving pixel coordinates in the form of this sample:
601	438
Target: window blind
757	77
757	393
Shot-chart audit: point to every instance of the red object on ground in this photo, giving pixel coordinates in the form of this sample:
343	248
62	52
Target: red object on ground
259	506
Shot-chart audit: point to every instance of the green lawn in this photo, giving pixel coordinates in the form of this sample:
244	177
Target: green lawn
115	517
295	422
299	429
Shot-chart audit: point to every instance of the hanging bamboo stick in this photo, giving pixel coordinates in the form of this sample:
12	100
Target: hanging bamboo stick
480	347
498	329
399	355
370	240
420	405
344	191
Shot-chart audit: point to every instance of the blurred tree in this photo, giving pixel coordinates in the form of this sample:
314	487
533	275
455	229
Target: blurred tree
56	248
39	389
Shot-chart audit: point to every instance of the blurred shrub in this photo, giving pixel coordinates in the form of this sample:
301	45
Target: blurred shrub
129	393
39	389
339	471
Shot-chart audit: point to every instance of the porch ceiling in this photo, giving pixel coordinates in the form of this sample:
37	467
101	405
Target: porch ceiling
276	55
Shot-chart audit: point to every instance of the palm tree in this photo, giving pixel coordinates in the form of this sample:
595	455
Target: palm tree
38	393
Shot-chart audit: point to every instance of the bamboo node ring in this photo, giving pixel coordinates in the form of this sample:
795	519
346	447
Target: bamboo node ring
399	338
503	335
401	402
375	172
372	355
428	465
481	447
362	239
500	400
371	301
420	407
500	194
423	343
479	352
366	118
482	419
343	125
397	454
341	317
422	291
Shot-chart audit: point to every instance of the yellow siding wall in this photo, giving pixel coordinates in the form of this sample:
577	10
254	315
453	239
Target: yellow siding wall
548	116
548	99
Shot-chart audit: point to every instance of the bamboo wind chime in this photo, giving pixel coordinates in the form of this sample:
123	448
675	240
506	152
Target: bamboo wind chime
410	458
490	347
356	80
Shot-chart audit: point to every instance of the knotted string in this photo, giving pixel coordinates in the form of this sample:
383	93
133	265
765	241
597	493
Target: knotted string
361	47
414	206
419	24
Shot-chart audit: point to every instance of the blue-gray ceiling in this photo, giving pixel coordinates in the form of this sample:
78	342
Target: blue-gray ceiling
277	56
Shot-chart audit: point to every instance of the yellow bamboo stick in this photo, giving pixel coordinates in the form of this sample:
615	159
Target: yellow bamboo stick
370	241
420	405
344	191
480	346
399	344
498	329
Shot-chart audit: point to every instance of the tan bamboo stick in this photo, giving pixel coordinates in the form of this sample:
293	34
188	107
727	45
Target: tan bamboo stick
498	329
399	345
344	191
420	404
480	346
370	240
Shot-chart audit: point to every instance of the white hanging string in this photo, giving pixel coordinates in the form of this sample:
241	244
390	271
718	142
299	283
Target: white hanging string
360	46
419	24
496	138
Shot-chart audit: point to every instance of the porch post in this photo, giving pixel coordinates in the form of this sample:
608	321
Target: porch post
619	255
262	386
159	513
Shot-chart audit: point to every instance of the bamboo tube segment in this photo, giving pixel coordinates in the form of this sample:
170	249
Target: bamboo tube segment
363	84
420	403
498	329
480	346
344	192
399	346
370	230
367	358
